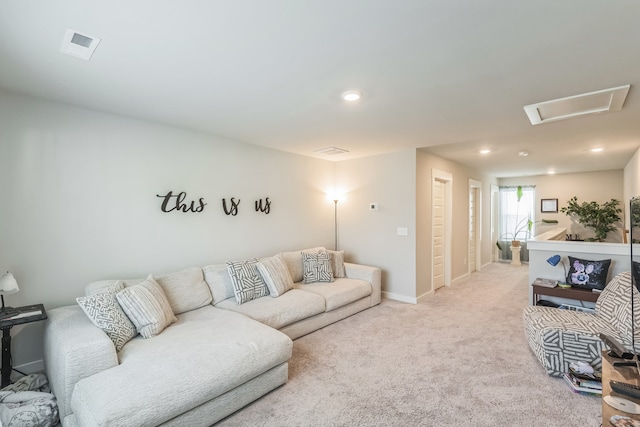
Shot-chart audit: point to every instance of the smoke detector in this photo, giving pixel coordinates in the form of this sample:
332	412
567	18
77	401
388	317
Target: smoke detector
600	101
79	45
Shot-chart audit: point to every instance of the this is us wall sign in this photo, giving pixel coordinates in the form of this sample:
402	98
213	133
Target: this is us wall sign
180	203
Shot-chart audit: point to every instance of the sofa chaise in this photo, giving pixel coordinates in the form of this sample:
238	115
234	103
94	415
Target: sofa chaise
559	337
214	357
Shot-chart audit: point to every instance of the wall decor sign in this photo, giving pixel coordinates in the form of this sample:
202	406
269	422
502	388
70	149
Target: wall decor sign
233	209
266	208
549	205
178	202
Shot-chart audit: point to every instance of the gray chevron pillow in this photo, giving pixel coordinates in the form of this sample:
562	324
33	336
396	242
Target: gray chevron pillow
247	283
316	267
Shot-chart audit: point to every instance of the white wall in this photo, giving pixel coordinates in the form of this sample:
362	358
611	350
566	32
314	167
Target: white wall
589	186
78	202
370	237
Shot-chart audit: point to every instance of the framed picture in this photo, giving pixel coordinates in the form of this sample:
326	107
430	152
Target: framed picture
549	205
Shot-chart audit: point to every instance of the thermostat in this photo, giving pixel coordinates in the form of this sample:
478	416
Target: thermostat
373	206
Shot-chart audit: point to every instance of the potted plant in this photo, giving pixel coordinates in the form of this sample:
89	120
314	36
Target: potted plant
600	218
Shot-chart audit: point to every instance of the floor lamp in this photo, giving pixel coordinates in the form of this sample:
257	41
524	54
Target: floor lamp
335	224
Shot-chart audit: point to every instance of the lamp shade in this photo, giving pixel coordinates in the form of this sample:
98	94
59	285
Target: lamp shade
8	284
554	260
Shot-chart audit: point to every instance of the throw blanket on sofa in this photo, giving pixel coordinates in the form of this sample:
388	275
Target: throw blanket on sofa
28	403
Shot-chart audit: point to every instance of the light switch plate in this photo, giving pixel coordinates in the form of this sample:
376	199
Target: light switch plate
403	231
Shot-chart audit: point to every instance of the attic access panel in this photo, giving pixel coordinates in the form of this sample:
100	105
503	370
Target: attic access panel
600	101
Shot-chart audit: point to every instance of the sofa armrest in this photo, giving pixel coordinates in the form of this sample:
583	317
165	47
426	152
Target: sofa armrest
372	275
74	348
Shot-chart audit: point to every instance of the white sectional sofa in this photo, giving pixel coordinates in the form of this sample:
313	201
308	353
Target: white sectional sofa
215	358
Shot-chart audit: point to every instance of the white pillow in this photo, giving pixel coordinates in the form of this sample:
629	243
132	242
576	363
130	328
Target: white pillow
247	284
275	274
105	312
147	307
337	263
186	289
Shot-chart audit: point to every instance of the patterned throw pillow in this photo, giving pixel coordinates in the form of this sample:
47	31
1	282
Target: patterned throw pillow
105	312
275	274
147	307
247	284
316	267
588	274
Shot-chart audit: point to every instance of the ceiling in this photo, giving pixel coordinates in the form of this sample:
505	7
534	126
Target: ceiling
451	76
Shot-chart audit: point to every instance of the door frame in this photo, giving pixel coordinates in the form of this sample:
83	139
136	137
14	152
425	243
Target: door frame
477	186
447	179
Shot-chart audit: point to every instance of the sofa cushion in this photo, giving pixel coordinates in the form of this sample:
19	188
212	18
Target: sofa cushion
316	267
339	293
185	289
147	307
293	261
219	281
278	312
157	379
105	312
275	274
614	307
247	283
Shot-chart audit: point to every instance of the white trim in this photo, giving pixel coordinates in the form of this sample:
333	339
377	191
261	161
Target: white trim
426	295
398	297
478	222
30	367
457	279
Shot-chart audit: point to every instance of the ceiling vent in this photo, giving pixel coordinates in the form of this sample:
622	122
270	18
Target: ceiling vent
331	151
79	45
600	101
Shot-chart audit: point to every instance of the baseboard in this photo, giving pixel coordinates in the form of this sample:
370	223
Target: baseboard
400	298
453	282
426	295
30	368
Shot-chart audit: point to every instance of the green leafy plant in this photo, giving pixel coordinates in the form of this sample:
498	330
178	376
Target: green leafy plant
601	218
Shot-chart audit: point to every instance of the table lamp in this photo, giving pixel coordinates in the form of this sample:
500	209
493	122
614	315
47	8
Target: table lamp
8	285
555	260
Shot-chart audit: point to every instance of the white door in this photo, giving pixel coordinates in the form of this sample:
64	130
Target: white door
438	234
472	230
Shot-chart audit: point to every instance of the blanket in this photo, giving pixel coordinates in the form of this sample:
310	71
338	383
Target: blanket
28	403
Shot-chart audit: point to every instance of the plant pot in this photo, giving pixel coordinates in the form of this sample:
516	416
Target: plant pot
515	243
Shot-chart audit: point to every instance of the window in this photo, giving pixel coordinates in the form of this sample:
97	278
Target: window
514	218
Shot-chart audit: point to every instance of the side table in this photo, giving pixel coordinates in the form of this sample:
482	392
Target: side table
28	314
569	293
622	374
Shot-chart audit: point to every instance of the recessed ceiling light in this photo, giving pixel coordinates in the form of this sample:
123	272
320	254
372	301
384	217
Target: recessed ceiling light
597	149
551	172
485	151
351	95
523	153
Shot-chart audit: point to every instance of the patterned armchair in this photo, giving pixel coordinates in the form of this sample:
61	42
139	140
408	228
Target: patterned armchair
559	337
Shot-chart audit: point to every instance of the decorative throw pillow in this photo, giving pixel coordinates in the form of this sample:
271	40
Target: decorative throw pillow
147	307
185	290
337	263
247	284
316	267
105	312
275	274
588	274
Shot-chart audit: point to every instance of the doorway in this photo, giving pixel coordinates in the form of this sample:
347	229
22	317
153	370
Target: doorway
441	209
475	230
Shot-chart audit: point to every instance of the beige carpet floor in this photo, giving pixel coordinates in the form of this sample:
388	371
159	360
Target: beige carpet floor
459	358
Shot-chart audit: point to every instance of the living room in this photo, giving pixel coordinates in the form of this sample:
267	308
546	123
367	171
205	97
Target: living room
83	173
